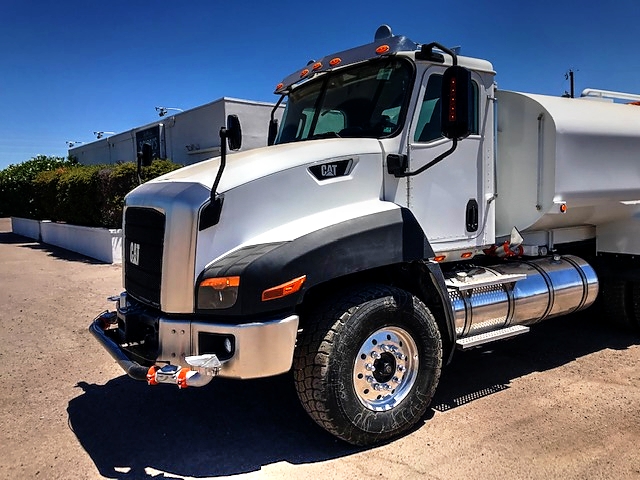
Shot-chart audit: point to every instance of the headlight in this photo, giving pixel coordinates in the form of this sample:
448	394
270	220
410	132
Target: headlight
218	293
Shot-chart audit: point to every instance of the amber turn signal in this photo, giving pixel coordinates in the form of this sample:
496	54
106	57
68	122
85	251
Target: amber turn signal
221	283
283	290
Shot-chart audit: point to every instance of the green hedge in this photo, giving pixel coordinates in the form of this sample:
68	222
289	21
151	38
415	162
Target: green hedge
46	199
17	189
52	188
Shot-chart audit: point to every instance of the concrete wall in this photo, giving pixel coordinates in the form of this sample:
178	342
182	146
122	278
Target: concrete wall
100	243
188	137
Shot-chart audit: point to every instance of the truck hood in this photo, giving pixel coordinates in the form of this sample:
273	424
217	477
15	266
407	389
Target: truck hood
244	167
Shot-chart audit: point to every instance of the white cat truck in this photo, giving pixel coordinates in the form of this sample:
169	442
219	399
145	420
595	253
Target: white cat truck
405	209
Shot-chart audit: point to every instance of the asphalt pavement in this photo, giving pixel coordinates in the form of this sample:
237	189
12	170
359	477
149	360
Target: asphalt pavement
560	402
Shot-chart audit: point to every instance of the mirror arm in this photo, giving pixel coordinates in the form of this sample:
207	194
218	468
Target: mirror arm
275	109
231	133
224	133
432	163
439	46
428	50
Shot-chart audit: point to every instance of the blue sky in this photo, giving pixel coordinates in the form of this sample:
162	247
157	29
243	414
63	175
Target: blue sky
71	67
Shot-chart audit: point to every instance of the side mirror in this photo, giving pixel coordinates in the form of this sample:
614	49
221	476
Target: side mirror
273	131
234	132
457	103
147	154
145	157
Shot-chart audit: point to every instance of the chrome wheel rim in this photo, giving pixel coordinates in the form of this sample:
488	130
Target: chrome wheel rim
385	368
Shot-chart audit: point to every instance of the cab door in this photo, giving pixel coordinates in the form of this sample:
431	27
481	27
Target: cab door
452	200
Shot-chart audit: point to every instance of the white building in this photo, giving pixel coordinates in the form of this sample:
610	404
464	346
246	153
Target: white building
186	137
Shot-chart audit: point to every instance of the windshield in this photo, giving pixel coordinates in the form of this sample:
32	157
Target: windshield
365	100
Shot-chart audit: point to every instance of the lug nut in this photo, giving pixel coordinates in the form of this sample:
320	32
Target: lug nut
370	367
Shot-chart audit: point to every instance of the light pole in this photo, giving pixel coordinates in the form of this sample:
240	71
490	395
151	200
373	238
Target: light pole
102	134
73	143
162	111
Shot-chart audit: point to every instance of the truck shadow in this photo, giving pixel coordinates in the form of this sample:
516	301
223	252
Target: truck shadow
227	428
131	430
491	368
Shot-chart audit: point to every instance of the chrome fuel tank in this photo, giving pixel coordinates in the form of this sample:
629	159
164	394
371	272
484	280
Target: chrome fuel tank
520	293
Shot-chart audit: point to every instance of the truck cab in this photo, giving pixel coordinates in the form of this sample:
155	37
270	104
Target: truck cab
396	99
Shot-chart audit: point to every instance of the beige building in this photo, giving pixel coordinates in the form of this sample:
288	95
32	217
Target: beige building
184	137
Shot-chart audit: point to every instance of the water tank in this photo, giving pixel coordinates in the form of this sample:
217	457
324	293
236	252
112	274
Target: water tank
554	150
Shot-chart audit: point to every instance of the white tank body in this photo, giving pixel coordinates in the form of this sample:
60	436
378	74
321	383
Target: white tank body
554	150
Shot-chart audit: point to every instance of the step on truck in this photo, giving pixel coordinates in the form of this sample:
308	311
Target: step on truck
404	209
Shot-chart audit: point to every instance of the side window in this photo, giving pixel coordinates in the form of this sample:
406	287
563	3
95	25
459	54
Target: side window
428	127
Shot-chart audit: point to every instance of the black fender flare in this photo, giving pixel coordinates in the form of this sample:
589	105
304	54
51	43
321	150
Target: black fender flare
389	237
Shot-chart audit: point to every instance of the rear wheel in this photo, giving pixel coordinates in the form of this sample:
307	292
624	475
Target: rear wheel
620	303
368	363
635	304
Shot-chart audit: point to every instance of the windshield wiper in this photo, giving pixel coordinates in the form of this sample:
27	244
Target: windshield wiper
316	136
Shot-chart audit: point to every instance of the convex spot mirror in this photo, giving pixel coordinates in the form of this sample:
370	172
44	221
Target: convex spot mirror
234	132
457	103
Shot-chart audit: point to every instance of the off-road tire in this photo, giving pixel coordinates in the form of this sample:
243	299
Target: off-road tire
619	302
635	305
374	325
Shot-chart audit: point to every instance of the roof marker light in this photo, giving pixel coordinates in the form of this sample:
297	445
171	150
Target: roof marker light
467	255
335	61
382	49
439	258
317	66
304	73
279	86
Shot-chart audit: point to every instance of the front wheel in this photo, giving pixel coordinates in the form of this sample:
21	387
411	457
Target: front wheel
368	363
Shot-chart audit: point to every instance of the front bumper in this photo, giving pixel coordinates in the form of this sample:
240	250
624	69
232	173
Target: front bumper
260	349
99	330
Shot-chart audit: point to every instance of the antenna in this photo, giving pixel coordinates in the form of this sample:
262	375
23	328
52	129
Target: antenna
570	76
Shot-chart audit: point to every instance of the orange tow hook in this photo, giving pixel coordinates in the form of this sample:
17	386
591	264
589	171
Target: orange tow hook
151	375
182	378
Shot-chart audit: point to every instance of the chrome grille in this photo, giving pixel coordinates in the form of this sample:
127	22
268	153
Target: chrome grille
143	249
